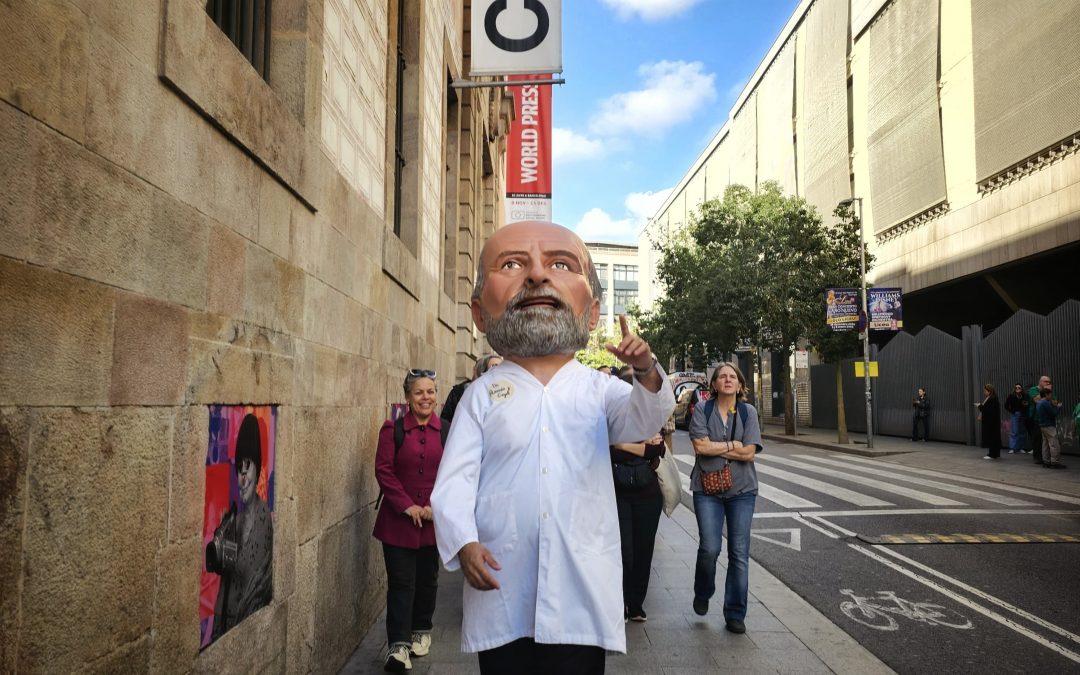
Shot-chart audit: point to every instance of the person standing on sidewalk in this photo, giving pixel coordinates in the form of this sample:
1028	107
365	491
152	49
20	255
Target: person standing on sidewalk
990	414
482	365
406	463
1047	413
920	414
726	437
639	502
1032	427
1017	405
524	503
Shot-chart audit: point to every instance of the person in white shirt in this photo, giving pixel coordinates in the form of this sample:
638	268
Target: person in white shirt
524	502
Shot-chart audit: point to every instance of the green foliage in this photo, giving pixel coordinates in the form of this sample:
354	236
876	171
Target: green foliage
595	354
752	268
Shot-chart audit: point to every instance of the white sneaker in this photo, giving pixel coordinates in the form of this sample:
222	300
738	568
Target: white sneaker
397	661
421	643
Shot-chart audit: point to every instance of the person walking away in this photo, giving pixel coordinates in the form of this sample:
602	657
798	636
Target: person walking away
482	365
639	503
990	414
726	437
1017	404
1047	411
920	414
406	465
524	503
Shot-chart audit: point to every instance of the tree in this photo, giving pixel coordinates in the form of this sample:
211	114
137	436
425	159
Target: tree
595	354
750	269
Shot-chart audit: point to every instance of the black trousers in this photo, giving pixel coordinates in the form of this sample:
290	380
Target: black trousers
915	428
527	657
412	580
1034	438
638	520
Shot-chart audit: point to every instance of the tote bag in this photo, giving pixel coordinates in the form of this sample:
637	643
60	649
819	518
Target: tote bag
667	474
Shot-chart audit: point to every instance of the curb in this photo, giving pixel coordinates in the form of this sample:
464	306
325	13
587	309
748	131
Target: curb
835	447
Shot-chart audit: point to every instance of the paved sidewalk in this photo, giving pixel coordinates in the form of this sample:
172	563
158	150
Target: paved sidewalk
784	634
964	460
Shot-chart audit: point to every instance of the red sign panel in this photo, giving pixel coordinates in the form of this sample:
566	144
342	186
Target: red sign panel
528	151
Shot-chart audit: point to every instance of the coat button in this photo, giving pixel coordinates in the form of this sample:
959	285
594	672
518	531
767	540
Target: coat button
421	470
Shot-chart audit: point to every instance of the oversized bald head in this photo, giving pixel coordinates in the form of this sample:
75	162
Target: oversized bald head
537	292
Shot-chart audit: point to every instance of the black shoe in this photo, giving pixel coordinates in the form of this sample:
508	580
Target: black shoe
1056	465
638	615
735	626
701	606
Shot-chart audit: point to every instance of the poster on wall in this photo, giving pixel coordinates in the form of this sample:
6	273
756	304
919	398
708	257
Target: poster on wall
842	308
886	308
238	517
528	152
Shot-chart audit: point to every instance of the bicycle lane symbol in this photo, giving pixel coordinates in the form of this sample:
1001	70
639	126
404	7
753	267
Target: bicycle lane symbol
877	613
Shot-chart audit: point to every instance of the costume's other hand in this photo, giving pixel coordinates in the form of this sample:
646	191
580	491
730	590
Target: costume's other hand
656	440
417	514
632	349
475	560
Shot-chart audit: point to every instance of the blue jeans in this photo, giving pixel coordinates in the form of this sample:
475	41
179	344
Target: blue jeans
1016	432
711	511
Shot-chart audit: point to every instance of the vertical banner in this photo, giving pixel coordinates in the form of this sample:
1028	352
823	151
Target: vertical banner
842	308
519	36
528	152
886	308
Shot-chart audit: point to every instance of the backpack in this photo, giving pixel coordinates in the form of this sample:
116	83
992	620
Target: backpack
399	439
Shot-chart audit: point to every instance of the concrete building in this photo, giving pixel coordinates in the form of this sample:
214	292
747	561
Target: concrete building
201	209
956	123
617	266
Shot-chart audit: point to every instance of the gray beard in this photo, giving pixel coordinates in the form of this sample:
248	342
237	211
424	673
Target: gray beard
534	331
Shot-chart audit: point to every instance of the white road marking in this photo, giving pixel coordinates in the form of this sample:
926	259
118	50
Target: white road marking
910	493
784	499
815	526
974	481
985	596
919	512
1004	621
794	537
843	494
968	492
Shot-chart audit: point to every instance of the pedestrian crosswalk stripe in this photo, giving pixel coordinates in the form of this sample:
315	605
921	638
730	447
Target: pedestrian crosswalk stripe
834	491
896	475
910	493
1016	489
978	538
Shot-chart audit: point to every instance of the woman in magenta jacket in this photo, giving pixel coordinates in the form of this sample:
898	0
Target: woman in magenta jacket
404	524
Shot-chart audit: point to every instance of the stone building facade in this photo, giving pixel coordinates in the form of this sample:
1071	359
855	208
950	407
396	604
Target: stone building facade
292	220
957	124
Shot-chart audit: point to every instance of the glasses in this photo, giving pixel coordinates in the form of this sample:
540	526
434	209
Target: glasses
417	372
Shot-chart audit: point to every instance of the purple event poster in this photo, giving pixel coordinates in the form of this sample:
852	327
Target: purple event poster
886	308
842	308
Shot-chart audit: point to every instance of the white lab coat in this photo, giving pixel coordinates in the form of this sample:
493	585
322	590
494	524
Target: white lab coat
527	473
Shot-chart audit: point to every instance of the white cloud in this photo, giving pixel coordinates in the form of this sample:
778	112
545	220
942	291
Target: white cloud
674	92
568	146
650	10
643	205
599	225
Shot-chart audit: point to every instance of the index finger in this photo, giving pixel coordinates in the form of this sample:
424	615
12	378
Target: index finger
623	325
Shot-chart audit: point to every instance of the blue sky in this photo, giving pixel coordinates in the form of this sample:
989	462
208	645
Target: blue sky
648	84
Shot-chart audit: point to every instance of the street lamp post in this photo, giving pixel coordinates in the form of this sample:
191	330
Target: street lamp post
866	327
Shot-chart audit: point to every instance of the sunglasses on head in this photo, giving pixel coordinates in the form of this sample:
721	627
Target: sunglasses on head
417	372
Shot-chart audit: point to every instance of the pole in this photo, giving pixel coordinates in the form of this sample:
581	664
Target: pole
866	334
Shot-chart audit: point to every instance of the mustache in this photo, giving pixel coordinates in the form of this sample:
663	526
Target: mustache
527	295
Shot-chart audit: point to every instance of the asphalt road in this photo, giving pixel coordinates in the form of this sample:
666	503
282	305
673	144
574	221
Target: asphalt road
930	571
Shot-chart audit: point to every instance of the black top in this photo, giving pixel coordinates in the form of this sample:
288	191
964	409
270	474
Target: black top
653	453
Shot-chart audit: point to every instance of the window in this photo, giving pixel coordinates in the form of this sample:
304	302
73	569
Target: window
247	25
601	271
625	272
625	296
399	121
